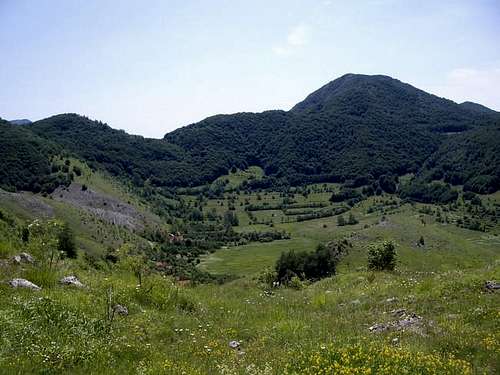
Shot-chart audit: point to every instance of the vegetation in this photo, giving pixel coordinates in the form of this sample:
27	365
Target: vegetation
382	256
361	130
195	264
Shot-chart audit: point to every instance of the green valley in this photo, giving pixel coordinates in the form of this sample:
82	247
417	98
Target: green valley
357	233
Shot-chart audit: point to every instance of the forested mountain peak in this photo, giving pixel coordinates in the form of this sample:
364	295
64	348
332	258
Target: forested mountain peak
478	108
358	94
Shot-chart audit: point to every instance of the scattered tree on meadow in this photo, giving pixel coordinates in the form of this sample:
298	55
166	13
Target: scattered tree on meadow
382	256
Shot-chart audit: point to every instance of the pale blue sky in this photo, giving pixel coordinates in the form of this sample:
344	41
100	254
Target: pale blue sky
151	66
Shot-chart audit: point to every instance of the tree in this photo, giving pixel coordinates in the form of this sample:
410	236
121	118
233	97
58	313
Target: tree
311	266
340	221
196	215
382	256
66	243
352	219
44	240
230	219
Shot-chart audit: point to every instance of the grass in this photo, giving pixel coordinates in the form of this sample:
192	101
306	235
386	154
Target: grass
446	246
176	330
323	327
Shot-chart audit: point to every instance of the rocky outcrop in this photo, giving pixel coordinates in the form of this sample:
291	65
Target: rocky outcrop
406	321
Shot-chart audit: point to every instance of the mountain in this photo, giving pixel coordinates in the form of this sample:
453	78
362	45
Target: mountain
386	98
21	122
355	127
26	160
477	108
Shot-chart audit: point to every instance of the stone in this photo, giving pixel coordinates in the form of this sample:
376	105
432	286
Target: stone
234	344
72	281
391	300
378	327
120	310
23	283
23	258
398	312
491	285
406	320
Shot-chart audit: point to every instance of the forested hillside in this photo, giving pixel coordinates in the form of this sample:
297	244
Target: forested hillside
471	159
356	127
26	160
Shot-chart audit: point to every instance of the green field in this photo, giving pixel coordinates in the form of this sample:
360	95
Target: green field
177	328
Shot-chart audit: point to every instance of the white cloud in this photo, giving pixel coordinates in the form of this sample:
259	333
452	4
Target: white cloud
297	37
478	85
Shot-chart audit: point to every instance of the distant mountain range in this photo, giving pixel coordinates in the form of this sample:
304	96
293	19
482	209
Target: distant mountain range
355	127
21	122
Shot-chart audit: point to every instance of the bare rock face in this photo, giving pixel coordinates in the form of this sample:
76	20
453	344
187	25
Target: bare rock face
23	283
23	258
71	281
120	310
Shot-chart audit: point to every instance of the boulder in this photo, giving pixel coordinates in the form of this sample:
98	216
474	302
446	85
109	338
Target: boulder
23	283
491	286
120	310
72	281
23	258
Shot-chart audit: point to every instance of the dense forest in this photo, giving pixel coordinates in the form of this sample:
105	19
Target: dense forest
26	161
354	128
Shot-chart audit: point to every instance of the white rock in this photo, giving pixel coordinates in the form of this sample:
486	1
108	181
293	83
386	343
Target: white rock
23	283
234	344
23	258
121	310
71	280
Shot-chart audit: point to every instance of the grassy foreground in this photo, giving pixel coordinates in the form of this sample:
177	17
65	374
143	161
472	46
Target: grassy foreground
318	329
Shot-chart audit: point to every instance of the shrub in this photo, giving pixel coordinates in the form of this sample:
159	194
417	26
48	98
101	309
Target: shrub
340	221
382	256
311	266
66	242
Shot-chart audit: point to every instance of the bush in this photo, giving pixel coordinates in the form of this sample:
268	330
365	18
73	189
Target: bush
310	266
382	256
67	242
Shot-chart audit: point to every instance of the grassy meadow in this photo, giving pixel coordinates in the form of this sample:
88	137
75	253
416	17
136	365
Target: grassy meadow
314	328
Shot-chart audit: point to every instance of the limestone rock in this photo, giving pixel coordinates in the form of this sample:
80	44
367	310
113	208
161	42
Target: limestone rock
23	258
234	344
491	285
120	310
72	281
23	283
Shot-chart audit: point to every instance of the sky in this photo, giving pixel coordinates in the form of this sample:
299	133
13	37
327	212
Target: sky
149	67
